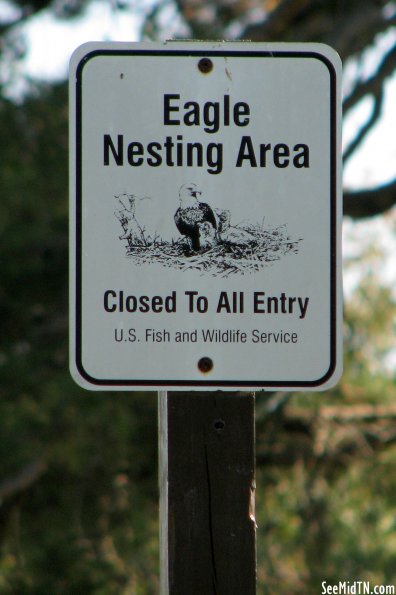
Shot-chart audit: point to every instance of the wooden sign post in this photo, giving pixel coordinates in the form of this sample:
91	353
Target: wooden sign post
205	255
207	491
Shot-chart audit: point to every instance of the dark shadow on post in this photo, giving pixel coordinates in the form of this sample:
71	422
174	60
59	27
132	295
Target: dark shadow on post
207	467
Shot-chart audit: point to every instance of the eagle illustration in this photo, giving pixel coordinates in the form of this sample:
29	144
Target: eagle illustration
192	213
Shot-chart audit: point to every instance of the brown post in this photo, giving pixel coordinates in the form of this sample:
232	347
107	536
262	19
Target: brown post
207	467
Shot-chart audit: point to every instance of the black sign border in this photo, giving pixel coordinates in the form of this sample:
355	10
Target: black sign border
208	384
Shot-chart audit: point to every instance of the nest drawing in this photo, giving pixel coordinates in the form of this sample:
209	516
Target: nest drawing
215	247
223	259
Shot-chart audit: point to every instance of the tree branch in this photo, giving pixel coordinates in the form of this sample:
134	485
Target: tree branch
352	33
278	21
365	129
27	476
368	203
346	413
325	435
373	85
348	27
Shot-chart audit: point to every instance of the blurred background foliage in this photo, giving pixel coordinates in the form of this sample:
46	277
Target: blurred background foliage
78	471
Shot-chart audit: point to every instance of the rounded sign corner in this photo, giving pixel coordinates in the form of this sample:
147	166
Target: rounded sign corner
331	379
331	54
82	379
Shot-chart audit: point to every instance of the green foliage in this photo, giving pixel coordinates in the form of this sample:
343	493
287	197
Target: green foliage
89	522
313	527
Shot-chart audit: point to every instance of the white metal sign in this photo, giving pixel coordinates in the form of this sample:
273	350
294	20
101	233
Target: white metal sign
205	216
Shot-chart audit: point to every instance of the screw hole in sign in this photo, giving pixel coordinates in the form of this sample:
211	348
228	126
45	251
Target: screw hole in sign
205	65
205	365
